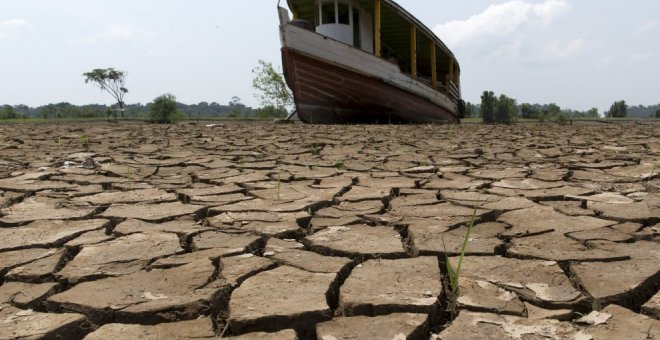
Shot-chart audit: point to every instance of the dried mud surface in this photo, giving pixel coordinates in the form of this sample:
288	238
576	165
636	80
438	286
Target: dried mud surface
264	231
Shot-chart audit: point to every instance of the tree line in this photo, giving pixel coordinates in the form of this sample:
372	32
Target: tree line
275	97
276	100
505	110
136	111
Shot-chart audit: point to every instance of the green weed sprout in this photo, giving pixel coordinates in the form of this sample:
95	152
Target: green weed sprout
84	140
655	165
455	274
596	304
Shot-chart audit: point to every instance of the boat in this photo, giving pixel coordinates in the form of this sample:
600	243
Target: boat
366	61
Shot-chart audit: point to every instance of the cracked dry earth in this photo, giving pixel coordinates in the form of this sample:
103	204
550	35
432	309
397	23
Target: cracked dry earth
262	231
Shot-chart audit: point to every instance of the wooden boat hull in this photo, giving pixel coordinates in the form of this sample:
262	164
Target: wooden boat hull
329	94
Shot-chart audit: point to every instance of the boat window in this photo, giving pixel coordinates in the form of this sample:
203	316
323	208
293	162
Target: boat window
343	14
357	36
328	13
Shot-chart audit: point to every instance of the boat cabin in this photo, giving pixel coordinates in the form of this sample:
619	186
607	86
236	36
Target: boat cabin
384	29
345	21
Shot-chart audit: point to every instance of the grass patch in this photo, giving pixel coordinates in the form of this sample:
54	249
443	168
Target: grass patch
63	120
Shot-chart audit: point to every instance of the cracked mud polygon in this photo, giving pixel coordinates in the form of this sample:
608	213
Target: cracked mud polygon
255	230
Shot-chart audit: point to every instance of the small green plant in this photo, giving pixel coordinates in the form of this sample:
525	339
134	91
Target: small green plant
372	139
339	164
655	165
596	303
129	175
455	274
84	140
59	143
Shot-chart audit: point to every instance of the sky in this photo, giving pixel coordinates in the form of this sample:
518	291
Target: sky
576	53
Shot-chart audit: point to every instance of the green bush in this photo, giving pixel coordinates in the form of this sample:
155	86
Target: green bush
542	116
8	112
562	118
528	111
505	110
502	110
271	111
163	110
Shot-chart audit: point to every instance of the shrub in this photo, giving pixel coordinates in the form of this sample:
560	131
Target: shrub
488	104
505	110
528	111
502	110
8	112
562	118
271	111
164	110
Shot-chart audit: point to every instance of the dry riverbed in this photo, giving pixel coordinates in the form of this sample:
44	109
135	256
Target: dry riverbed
256	231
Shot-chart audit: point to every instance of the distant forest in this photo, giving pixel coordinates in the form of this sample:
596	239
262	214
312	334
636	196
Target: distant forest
532	111
235	109
642	111
67	110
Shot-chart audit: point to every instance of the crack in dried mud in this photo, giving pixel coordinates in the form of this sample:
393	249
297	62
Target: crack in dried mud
322	231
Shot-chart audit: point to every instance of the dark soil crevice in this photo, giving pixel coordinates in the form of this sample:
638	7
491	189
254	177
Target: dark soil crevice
632	299
332	295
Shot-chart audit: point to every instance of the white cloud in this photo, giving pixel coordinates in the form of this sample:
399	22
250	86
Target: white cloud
606	62
500	20
564	50
122	32
10	28
646	28
508	50
641	57
115	33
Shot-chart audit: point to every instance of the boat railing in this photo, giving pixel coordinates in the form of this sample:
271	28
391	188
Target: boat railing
453	90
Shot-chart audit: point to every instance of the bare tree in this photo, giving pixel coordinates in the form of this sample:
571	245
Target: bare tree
110	81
